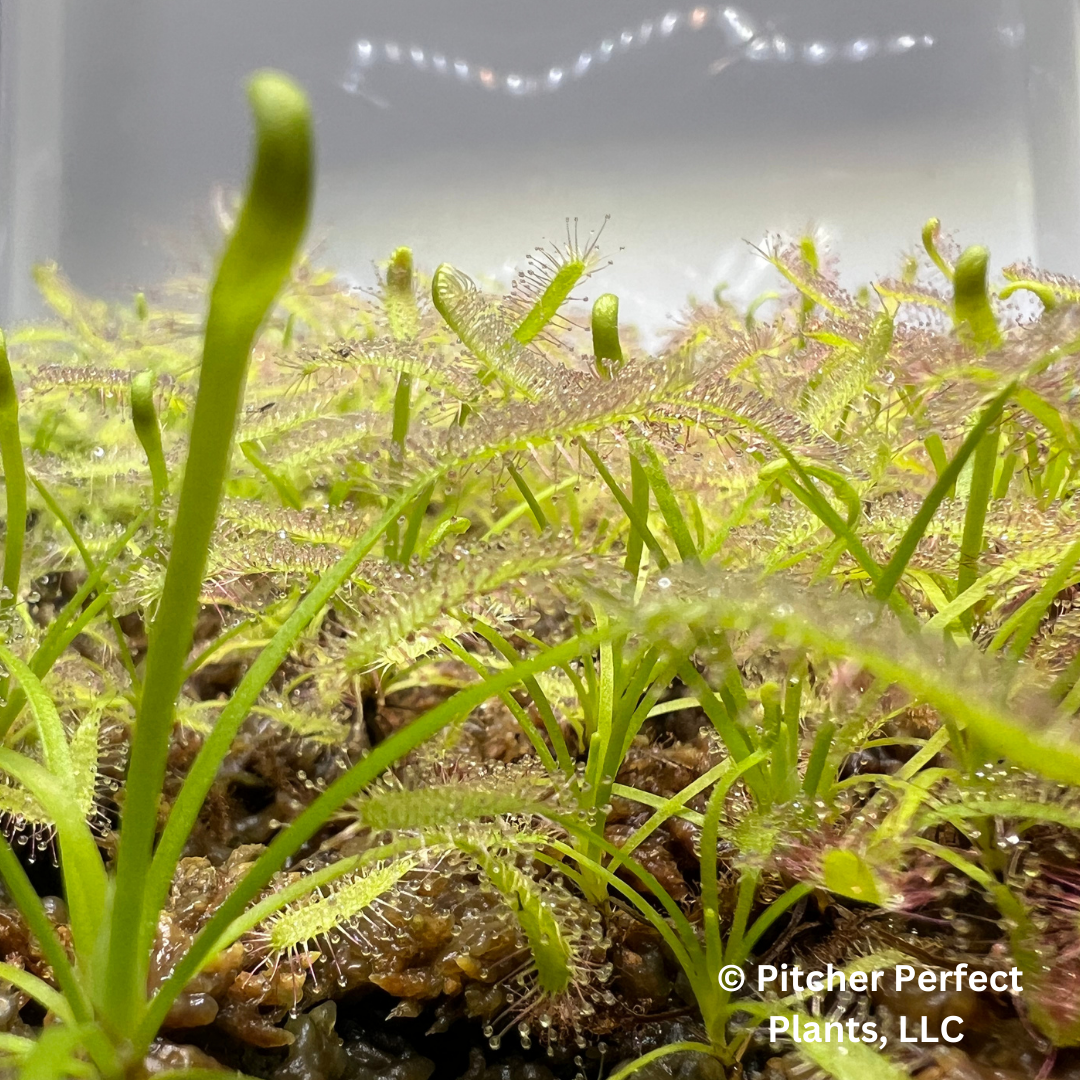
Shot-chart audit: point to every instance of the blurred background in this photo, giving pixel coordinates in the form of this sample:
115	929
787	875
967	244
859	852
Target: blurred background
471	129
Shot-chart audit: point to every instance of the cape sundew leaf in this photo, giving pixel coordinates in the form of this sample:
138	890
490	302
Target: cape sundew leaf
394	613
547	280
549	944
553	297
962	684
485	331
848	372
497	793
344	901
848	874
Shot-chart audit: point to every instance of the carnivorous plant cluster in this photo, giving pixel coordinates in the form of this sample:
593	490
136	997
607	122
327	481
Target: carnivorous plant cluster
458	650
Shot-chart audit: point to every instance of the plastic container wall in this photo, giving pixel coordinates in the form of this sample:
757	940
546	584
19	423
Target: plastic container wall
471	129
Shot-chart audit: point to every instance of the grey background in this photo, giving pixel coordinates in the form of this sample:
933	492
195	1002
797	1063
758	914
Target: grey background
120	118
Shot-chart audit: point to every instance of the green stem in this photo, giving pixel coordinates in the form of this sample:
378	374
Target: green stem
649	460
636	513
773	912
819	755
402	404
286	492
733	947
1041	290
145	420
39	990
929	238
253	269
526	493
892	573
982	482
639	499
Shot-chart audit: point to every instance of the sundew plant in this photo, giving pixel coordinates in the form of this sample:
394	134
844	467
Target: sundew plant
442	654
